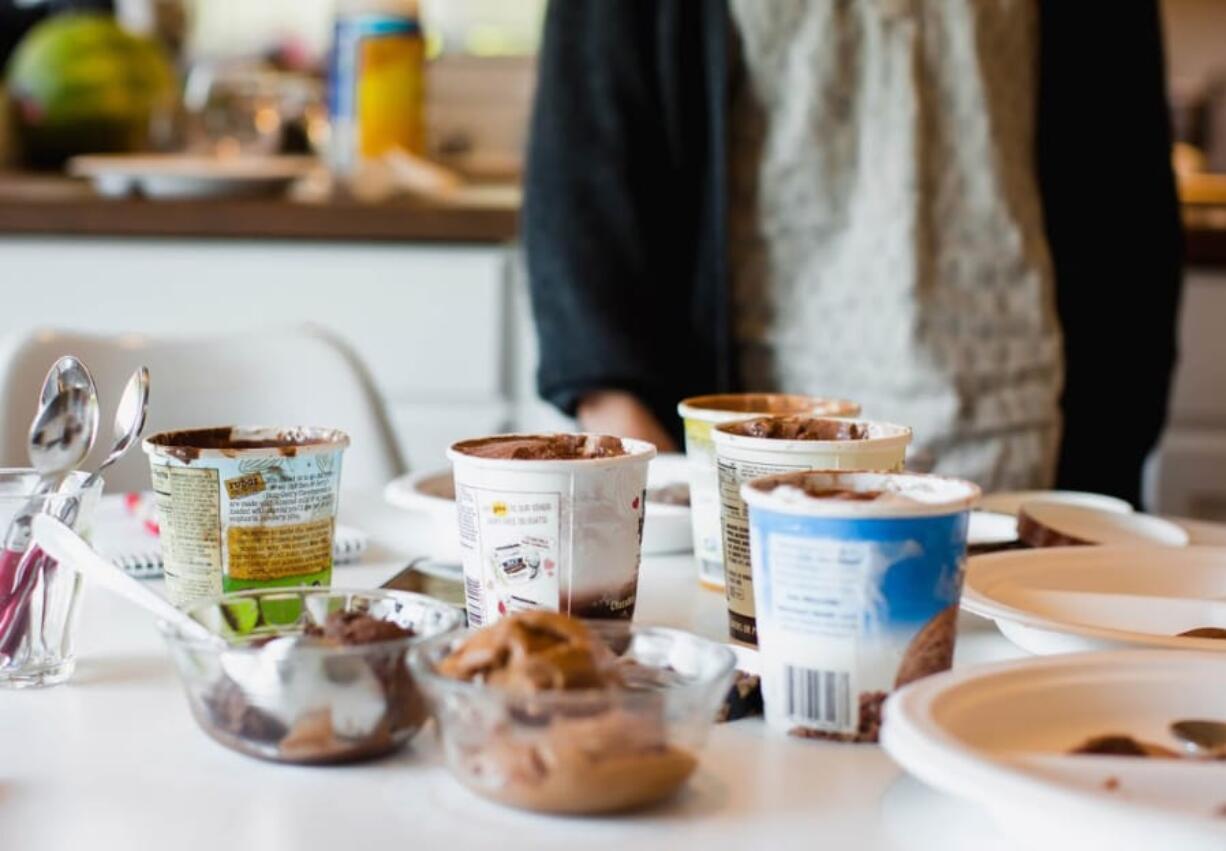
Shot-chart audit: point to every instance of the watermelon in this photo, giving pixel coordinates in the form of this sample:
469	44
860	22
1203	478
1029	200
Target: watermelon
78	83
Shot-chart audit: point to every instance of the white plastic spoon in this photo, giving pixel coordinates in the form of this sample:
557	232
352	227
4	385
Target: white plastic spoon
66	546
281	681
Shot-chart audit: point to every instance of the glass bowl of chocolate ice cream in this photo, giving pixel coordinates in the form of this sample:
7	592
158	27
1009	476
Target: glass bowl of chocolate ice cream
308	675
549	713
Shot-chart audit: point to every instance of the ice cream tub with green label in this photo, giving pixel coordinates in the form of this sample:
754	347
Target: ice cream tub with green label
245	507
701	414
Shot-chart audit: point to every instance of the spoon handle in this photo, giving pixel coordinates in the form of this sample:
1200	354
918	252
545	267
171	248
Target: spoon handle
67	547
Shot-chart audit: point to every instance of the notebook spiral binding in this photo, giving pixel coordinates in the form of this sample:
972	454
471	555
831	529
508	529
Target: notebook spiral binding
347	547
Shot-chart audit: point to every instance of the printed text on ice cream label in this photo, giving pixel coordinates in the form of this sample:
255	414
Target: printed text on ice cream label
510	548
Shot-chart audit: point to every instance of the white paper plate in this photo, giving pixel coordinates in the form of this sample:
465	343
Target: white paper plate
1081	524
1008	502
666	528
1068	599
999	736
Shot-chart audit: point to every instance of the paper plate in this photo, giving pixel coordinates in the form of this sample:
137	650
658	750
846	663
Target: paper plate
1000	736
1068	599
666	528
1048	524
1008	502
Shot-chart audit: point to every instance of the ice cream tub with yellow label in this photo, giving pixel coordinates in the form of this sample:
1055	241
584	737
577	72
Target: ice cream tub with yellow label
703	413
245	507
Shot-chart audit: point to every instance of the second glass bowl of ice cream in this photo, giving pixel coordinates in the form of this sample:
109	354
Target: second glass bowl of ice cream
587	750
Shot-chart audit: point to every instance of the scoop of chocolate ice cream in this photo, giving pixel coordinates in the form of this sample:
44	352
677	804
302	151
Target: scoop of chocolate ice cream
545	447
530	652
357	628
800	428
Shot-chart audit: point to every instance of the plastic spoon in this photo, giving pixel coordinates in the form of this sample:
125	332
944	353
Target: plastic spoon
62	544
275	677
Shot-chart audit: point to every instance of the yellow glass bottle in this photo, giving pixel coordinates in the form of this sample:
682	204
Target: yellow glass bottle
377	82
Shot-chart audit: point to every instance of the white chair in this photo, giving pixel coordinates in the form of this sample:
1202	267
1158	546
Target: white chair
299	376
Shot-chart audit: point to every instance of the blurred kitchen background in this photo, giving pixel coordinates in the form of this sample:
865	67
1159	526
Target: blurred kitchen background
408	258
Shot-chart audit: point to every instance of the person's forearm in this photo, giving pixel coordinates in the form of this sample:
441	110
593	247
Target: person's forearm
624	415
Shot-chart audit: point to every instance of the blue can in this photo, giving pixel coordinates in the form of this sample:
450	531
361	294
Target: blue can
857	577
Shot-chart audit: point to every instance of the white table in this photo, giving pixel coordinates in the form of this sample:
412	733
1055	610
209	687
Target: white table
113	761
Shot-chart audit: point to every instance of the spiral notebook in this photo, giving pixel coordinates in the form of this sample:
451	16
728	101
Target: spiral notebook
144	559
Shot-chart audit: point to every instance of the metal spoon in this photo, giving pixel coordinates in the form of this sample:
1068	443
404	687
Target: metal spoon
65	373
1201	737
60	438
129	422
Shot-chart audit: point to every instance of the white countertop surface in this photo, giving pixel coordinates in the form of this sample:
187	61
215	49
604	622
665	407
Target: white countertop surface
114	761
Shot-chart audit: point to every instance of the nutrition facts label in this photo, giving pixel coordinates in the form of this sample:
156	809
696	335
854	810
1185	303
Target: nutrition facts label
739	578
189	509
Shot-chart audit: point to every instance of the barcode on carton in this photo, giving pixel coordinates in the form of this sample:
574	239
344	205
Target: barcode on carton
472	595
818	698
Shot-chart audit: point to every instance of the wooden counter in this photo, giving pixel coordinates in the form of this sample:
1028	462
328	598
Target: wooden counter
482	214
62	206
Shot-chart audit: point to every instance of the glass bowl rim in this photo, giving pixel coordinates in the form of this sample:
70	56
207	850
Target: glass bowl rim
454	619
423	670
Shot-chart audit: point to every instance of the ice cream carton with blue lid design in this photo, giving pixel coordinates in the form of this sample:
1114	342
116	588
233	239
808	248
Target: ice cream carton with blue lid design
857	577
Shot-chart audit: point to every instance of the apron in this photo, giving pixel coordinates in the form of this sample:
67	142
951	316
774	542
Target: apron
886	231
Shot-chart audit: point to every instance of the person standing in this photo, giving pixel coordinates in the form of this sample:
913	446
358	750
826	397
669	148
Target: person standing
900	202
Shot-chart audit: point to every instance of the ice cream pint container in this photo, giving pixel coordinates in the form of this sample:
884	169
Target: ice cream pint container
702	413
550	521
747	449
858	577
245	507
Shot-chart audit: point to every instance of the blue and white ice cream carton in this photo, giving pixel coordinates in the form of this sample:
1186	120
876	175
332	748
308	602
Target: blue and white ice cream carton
857	577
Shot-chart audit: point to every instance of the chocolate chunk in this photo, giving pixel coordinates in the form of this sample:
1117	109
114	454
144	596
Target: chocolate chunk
231	713
1204	632
1112	745
744	699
